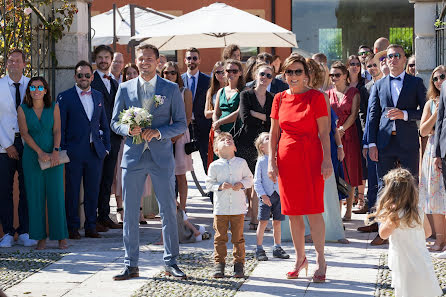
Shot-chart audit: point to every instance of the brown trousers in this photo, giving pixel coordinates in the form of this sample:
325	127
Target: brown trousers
221	225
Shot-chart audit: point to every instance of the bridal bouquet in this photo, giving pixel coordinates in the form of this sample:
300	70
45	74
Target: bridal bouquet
136	116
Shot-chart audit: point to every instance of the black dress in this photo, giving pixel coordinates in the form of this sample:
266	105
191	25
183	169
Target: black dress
252	126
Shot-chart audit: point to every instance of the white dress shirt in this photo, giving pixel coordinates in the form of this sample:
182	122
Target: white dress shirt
88	104
106	81
229	202
118	79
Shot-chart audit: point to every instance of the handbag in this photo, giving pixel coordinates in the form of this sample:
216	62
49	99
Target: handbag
63	158
343	187
193	145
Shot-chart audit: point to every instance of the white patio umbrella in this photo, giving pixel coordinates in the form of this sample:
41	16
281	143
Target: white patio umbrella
102	24
214	26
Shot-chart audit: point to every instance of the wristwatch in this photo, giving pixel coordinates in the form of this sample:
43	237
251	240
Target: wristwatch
57	149
340	146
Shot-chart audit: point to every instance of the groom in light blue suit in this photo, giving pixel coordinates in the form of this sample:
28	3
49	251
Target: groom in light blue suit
153	157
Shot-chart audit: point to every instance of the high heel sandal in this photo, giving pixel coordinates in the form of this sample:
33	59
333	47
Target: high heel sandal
320	278
295	273
142	222
120	212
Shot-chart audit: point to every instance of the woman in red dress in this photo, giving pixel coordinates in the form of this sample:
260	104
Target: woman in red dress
299	118
345	102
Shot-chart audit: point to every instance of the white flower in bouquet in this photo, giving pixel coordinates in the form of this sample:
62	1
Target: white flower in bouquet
136	116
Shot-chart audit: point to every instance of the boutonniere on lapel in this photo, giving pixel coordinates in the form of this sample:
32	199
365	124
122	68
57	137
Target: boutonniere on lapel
100	104
159	100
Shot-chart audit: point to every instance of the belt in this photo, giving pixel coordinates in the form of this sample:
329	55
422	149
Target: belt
393	133
16	135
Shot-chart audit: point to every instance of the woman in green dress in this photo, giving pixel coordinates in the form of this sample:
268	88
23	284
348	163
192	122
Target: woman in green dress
39	123
228	98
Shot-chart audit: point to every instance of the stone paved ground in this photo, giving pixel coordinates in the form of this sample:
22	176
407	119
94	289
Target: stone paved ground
88	267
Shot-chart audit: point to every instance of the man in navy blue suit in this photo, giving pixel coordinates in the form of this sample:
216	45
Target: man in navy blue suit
198	83
104	83
397	102
86	137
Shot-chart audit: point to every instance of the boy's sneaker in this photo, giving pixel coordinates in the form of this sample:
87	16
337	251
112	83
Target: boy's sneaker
25	240
280	253
238	270
7	241
219	270
261	255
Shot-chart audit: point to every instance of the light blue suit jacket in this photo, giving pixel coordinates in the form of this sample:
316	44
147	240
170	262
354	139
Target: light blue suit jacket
169	118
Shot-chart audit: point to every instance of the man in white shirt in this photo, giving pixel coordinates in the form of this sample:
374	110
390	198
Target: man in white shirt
103	82
116	67
13	87
85	134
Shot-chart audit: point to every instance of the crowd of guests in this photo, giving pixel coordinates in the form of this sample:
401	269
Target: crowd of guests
253	124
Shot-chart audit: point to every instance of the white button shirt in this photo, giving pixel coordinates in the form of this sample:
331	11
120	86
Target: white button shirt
22	87
229	202
105	80
87	103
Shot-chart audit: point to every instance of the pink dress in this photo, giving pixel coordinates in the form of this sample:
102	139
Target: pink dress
183	162
350	140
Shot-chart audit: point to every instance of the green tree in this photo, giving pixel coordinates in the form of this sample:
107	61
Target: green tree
404	37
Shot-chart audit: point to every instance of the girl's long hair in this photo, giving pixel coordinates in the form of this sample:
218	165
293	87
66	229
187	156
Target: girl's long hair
432	91
398	202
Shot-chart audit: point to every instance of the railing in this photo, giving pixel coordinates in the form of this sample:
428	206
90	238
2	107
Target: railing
440	41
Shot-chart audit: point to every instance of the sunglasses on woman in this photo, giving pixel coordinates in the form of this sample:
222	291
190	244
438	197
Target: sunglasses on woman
337	75
411	65
219	72
297	72
268	75
173	72
233	71
437	78
41	88
355	64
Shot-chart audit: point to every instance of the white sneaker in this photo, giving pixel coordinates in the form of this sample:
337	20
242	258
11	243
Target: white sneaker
25	241
7	241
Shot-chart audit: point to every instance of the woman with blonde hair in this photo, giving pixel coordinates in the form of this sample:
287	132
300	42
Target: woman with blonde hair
432	190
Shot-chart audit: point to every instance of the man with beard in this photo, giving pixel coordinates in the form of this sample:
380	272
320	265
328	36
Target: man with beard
116	67
85	134
104	83
198	83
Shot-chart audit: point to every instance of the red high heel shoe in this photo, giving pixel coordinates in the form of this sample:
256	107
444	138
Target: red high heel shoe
320	278
295	273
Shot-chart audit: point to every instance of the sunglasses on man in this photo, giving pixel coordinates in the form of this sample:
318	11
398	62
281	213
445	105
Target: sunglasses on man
297	72
268	75
337	75
195	58
81	75
439	77
364	53
41	88
372	65
395	55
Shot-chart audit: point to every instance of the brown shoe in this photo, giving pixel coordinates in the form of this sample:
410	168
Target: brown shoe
362	210
110	224
369	229
379	241
74	234
92	234
101	228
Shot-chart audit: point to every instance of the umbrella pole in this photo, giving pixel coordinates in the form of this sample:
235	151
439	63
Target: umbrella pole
114	27
132	30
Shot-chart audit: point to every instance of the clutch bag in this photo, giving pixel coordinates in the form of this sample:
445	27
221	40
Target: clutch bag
63	158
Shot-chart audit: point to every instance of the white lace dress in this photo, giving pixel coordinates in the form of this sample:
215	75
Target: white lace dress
411	264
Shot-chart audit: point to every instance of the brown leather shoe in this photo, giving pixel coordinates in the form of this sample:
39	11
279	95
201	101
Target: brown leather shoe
379	241
369	229
101	228
92	234
362	210
74	234
110	224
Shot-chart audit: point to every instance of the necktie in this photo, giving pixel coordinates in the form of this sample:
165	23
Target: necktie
192	88
396	78
107	76
18	100
84	93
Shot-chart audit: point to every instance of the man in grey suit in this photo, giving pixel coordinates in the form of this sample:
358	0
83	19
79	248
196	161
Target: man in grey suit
153	157
440	134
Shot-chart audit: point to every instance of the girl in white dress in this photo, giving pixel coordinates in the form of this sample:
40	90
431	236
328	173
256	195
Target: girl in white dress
407	227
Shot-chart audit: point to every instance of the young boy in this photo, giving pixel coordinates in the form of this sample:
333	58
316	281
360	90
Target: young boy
269	203
227	177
